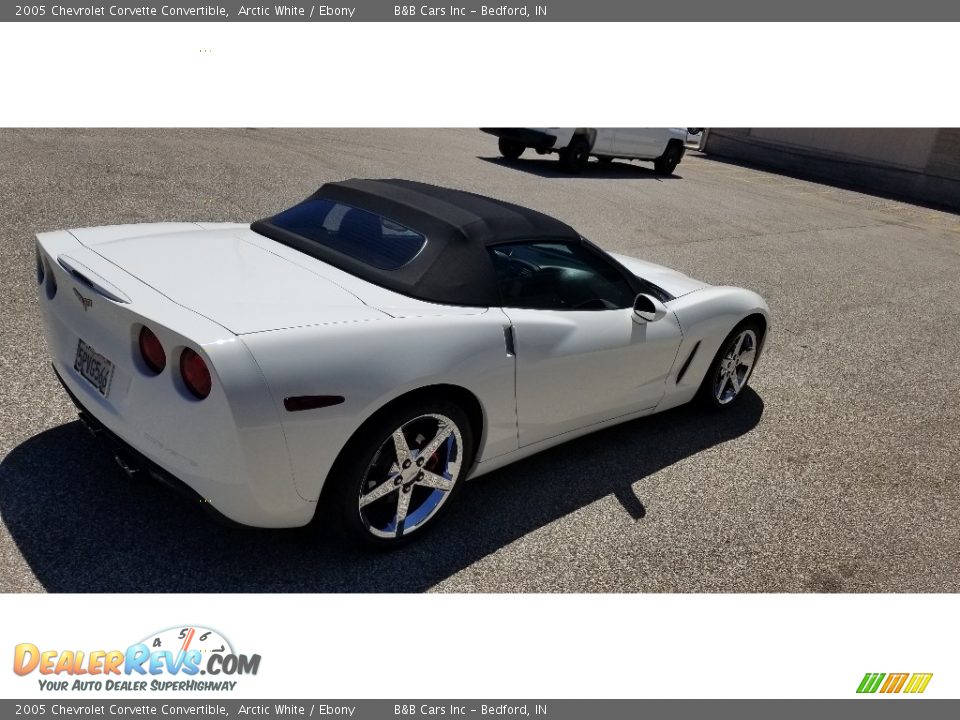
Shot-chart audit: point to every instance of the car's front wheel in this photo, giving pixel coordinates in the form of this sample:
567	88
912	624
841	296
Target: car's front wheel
402	471
511	149
731	368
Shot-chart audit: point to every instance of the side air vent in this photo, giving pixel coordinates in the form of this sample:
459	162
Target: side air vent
683	370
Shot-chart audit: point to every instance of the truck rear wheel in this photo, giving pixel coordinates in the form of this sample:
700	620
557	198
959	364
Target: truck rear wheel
667	163
574	156
511	149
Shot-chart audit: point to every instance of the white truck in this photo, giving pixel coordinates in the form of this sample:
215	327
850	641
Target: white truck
664	146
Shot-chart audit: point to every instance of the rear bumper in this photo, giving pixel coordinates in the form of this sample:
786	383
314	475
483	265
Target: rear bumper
525	136
133	462
229	488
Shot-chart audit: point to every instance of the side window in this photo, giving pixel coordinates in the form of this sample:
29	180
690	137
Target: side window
558	276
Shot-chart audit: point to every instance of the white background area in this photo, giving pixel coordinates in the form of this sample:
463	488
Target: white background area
479	74
408	647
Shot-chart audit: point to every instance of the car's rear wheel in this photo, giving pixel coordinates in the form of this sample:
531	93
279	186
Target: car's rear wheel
401	473
574	156
511	149
667	163
731	368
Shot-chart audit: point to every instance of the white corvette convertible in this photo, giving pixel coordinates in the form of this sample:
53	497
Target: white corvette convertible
369	349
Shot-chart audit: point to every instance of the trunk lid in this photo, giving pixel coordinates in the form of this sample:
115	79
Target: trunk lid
214	271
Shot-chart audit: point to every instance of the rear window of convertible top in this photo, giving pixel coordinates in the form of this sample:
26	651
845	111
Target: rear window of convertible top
360	234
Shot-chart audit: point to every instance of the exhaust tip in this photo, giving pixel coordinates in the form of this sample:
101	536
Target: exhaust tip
126	464
89	424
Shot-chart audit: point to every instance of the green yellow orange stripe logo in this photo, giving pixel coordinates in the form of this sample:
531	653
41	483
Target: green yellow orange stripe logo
888	683
918	682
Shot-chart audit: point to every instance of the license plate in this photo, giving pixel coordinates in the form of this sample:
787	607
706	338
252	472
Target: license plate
94	368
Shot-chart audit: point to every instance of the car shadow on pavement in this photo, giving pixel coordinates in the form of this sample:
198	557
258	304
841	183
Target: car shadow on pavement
548	167
83	526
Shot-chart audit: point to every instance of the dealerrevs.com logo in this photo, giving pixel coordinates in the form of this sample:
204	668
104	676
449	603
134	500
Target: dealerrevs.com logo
176	659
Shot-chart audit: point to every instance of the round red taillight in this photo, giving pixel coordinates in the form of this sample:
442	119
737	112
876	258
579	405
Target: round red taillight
196	375
152	351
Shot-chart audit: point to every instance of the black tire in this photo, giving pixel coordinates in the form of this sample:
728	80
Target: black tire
574	157
369	452
511	149
707	394
667	163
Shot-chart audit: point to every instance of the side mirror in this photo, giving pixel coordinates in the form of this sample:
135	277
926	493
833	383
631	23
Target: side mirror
647	308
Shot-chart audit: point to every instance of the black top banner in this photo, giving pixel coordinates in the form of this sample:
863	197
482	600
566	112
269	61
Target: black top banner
465	11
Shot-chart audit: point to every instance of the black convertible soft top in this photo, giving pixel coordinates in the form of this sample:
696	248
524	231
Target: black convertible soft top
452	266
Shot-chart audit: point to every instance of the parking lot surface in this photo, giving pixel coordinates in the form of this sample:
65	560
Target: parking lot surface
839	471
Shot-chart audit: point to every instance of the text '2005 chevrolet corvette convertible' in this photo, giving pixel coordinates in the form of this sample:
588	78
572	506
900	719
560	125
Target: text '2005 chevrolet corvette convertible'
369	349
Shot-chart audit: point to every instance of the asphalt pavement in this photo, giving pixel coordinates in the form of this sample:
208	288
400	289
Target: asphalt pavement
838	473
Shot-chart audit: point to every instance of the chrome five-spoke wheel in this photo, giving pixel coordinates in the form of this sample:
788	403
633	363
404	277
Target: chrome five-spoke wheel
411	475
739	356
